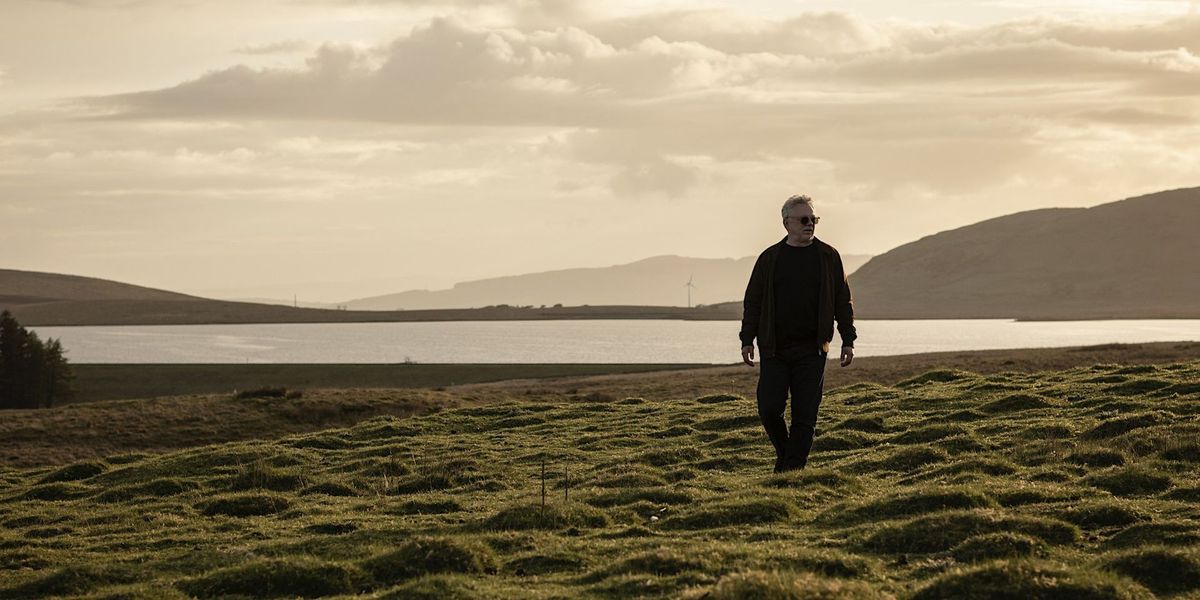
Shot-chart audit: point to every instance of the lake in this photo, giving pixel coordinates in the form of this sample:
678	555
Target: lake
599	341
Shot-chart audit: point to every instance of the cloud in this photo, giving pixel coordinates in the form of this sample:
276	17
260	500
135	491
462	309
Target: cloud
888	103
280	47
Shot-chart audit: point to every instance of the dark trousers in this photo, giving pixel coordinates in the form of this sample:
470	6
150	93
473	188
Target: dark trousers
801	371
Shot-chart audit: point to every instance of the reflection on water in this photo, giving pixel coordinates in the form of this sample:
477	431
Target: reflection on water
604	341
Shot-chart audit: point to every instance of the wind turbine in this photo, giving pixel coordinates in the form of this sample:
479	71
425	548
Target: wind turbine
689	286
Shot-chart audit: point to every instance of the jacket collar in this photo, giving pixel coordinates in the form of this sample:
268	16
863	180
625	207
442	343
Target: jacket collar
822	246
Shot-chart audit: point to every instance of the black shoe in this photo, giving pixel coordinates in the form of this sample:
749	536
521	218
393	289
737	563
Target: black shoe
779	464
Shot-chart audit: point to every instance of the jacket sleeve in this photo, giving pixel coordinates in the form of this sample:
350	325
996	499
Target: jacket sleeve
752	304
843	305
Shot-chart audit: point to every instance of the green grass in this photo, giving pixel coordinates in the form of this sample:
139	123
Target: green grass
1067	484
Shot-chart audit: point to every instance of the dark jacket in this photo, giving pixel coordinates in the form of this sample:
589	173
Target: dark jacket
758	309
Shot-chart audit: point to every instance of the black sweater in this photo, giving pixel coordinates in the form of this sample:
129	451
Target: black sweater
834	301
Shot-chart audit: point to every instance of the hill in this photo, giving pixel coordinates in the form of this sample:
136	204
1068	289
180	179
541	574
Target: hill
1136	258
656	281
48	299
951	484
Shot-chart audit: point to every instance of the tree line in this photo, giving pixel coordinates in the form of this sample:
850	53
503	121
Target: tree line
33	373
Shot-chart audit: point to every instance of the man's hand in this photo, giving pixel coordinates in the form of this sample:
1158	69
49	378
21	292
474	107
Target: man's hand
847	355
748	355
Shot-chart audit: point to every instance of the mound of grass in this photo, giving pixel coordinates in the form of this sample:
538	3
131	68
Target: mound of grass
426	555
1165	533
632	480
1030	580
906	459
333	528
1097	514
663	561
654	495
1130	481
1016	403
156	488
72	580
942	531
1048	431
729	423
543	564
1163	570
871	424
431	505
1096	457
809	477
330	488
244	505
75	472
787	586
1138	387
1183	451
733	512
673	456
720	398
275	578
936	376
1002	544
1114	427
263	392
553	516
908	504
260	475
439	587
823	561
52	492
843	440
929	433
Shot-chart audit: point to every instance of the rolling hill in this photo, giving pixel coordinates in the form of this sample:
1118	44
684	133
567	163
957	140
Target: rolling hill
1136	258
656	281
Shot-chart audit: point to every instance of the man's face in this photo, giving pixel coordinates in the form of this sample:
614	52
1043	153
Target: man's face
800	223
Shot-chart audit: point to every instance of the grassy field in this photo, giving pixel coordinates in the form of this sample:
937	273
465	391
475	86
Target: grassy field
116	382
1077	483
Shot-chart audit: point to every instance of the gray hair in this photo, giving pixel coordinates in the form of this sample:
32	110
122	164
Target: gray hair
793	201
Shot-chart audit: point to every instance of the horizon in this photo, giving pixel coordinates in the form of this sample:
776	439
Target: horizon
336	144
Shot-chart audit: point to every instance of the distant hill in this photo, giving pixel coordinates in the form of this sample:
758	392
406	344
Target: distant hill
48	299
656	281
1136	258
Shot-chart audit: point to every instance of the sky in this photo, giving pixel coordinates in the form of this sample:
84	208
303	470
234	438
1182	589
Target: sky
338	149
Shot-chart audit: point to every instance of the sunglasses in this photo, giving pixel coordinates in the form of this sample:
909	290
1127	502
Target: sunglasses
806	220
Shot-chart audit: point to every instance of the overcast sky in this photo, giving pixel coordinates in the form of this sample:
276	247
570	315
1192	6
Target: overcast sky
345	148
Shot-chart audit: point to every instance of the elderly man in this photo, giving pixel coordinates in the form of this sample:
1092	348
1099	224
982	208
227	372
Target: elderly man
797	289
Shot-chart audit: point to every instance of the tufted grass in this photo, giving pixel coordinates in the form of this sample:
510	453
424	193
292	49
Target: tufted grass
1068	484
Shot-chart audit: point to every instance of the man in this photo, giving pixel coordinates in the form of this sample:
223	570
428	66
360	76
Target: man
797	289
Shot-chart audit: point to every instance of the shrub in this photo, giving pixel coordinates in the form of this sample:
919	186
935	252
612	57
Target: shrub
425	555
244	505
1029	580
1002	544
274	578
